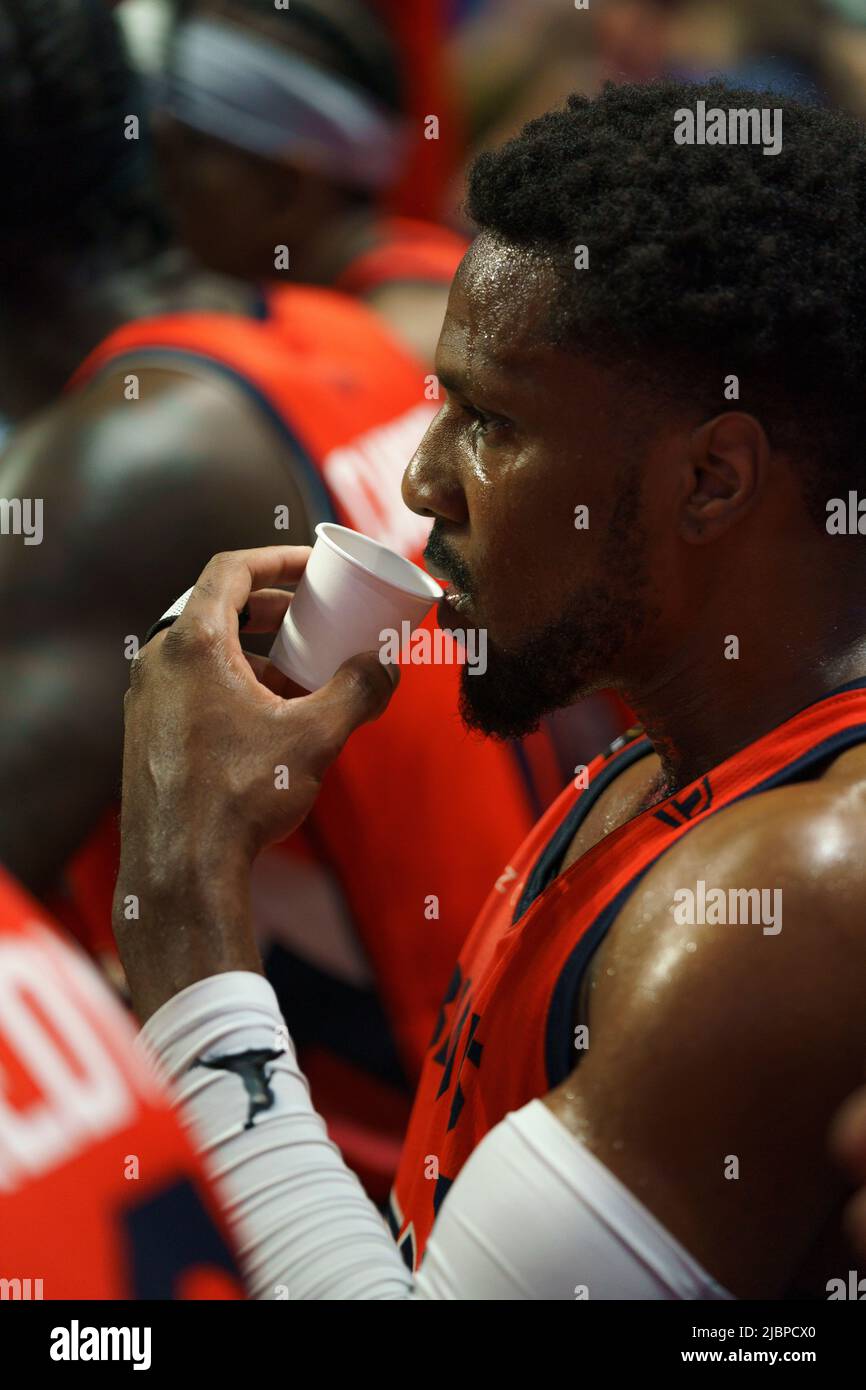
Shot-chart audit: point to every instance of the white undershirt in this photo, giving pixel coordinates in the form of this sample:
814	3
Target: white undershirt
532	1214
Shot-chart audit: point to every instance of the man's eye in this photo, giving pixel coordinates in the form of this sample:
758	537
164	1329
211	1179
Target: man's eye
485	426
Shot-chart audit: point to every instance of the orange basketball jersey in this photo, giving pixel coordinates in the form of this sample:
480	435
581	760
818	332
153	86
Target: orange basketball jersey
417	818
101	1195
505	1033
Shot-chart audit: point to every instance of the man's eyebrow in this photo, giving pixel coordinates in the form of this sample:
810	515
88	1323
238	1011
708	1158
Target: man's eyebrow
462	384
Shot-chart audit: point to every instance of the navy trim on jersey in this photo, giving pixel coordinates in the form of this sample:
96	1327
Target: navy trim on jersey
548	864
349	1021
858	684
260	308
559	1034
559	1054
322	508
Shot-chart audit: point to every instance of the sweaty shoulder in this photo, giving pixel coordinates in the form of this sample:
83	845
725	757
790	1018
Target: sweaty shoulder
805	837
149	455
770	886
144	419
134	496
726	1024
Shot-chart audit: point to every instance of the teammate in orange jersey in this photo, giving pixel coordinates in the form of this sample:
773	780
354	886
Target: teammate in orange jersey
197	421
653	1023
286	128
101	1195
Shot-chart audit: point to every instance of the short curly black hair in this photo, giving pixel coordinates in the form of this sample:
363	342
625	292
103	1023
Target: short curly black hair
704	260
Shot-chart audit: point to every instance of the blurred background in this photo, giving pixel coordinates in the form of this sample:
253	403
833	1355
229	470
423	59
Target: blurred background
251	210
484	67
487	66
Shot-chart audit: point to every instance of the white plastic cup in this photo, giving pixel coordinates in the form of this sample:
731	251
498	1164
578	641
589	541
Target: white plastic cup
352	590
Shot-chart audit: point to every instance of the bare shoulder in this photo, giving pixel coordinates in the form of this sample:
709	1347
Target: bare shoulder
788	862
146	416
158	466
727	1024
136	490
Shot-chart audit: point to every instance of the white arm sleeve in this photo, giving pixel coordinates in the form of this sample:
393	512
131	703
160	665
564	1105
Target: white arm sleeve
532	1214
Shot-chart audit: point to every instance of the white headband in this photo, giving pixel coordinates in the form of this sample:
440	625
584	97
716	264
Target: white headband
257	96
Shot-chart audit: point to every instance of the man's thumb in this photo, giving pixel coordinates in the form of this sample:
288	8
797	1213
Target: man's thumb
357	693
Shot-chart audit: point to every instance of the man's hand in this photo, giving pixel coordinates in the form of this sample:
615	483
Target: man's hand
222	756
848	1142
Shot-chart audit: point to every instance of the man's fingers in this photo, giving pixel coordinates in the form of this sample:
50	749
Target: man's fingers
226	582
267	608
848	1135
358	692
268	675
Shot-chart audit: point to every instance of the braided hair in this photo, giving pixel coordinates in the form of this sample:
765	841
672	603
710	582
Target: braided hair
73	180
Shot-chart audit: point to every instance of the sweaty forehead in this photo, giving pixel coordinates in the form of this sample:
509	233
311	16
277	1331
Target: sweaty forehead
499	310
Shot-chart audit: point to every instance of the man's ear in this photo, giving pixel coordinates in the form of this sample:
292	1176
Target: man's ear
727	459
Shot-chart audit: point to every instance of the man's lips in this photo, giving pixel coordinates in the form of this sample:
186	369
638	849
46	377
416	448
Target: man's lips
455	601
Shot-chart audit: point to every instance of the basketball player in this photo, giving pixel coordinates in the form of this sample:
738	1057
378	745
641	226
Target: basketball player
195	421
284	128
246	92
653	1021
101	1195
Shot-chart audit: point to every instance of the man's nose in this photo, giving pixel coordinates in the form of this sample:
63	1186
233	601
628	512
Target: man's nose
431	484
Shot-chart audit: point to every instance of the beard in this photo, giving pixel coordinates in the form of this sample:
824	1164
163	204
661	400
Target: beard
569	658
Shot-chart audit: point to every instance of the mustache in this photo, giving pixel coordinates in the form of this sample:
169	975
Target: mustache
438	552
